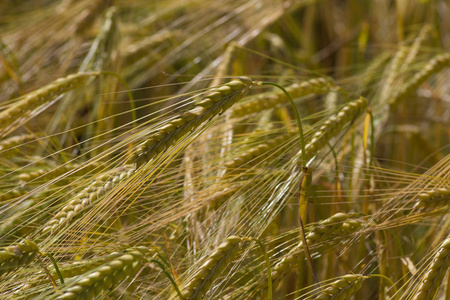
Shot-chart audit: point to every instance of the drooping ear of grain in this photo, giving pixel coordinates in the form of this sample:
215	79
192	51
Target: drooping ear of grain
214	103
17	256
433	66
96	189
199	285
334	125
12	144
257	152
432	199
25	105
11	194
270	100
49	173
336	227
73	269
90	285
435	273
343	288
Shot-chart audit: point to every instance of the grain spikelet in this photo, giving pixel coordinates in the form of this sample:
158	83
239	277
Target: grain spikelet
214	103
434	66
337	226
342	288
17	256
99	187
92	284
24	106
199	285
50	173
255	104
434	198
257	151
435	273
11	145
333	126
15	193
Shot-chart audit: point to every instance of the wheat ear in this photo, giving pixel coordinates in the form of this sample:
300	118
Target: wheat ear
257	151
79	268
337	226
334	125
41	96
49	173
135	52
258	103
11	145
214	103
73	269
435	273
97	281
16	256
12	194
343	288
434	198
434	66
213	266
99	187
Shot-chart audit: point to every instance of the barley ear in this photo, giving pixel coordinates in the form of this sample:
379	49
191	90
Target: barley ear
433	198
16	256
342	288
111	274
435	273
199	285
214	103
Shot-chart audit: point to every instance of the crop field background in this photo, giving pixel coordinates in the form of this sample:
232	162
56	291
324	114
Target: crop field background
193	149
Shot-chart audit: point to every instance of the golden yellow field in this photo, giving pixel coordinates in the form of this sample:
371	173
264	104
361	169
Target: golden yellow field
260	149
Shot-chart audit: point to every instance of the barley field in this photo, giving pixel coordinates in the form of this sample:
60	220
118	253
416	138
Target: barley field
193	149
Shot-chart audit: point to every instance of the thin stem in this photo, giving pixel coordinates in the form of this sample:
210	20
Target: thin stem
297	117
269	269
389	281
305	184
48	273
55	265
304	171
163	268
336	172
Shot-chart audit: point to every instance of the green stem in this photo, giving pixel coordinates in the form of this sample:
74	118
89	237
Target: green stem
163	268
297	117
389	281
130	95
55	265
304	170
